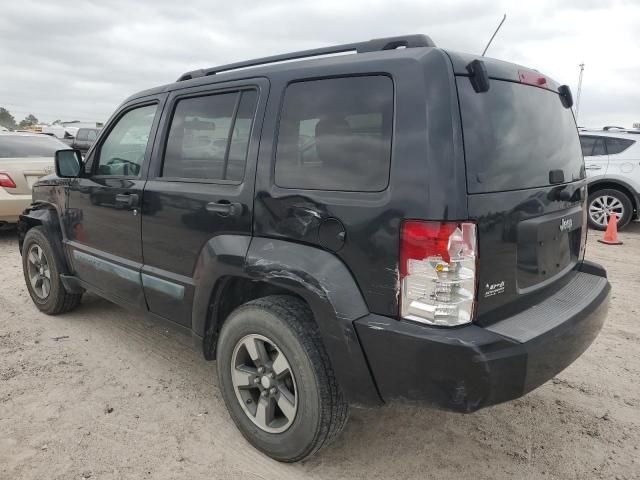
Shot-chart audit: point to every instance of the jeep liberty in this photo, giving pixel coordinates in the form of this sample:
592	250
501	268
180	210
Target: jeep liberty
402	222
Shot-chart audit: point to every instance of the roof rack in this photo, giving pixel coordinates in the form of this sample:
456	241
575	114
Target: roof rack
612	127
375	45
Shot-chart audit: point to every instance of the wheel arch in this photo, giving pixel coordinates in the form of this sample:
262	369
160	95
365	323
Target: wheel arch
235	269
615	184
47	216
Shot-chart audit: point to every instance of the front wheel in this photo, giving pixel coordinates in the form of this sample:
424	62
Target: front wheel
276	378
42	270
604	203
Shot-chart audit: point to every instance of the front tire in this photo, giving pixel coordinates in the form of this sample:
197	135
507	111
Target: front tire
603	203
42	269
276	379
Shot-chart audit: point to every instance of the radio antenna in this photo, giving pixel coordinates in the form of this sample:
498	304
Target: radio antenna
494	34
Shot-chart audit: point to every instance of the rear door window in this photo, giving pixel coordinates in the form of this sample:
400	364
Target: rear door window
209	136
592	146
514	135
335	134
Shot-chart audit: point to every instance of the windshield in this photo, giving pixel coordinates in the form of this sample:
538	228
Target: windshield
514	135
19	146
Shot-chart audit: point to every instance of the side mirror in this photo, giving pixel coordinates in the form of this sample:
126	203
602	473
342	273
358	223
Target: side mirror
68	163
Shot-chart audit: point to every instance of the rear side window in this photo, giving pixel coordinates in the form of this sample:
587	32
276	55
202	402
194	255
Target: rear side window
209	137
19	146
618	145
592	146
335	134
515	135
82	134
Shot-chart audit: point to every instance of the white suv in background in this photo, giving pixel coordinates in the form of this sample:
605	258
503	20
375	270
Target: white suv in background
612	161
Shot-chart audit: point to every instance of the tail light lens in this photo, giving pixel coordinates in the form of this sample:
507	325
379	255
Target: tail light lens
6	181
438	272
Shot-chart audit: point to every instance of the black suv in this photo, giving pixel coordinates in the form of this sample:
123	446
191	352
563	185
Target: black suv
345	230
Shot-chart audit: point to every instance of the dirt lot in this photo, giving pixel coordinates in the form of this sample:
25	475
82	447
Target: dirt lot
104	393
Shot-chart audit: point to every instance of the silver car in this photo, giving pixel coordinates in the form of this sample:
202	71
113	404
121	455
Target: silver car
612	162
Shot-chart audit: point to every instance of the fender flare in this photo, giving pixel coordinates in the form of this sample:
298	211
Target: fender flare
46	215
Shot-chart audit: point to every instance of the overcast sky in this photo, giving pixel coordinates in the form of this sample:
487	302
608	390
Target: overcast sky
79	60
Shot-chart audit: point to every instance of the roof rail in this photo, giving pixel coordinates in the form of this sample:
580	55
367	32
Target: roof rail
374	45
611	127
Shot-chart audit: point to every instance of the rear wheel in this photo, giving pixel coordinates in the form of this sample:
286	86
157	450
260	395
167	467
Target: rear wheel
604	203
42	270
276	379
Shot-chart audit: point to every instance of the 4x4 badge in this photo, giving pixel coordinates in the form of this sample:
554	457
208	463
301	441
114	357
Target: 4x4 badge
566	224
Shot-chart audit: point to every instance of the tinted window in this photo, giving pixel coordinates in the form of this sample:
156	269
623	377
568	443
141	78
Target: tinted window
82	135
618	145
204	140
18	146
92	135
122	152
587	144
514	135
335	134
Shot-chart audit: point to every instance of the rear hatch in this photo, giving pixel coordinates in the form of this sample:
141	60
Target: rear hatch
525	185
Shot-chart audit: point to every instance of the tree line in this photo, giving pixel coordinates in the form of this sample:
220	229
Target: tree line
8	121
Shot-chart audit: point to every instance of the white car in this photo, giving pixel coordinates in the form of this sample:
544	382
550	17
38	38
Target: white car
612	162
24	158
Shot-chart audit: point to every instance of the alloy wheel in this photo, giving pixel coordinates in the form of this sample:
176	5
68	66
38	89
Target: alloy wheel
603	207
39	272
264	384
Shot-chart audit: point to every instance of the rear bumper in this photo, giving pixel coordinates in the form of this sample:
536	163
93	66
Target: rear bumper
468	368
11	206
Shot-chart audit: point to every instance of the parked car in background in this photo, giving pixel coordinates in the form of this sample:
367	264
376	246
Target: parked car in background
84	139
612	162
24	158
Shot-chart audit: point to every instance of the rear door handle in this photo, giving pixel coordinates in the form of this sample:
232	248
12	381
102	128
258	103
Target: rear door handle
593	167
128	199
225	209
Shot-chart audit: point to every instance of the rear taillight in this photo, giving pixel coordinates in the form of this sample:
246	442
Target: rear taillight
438	272
6	181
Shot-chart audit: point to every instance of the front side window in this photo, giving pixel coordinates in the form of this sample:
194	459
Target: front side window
122	152
209	137
335	134
618	145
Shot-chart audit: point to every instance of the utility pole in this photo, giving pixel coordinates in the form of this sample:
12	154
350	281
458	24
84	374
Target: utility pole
494	34
578	93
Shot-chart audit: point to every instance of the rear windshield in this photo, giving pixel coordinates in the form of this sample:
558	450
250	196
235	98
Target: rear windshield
514	135
18	146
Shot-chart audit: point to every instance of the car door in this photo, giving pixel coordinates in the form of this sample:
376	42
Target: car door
596	160
102	221
200	186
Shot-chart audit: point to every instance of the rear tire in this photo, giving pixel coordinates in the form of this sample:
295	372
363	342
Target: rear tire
42	268
316	412
602	203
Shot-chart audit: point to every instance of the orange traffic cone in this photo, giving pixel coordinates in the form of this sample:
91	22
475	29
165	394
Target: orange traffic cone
611	234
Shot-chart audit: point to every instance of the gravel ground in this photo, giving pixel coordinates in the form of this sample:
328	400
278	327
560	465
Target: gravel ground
104	393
